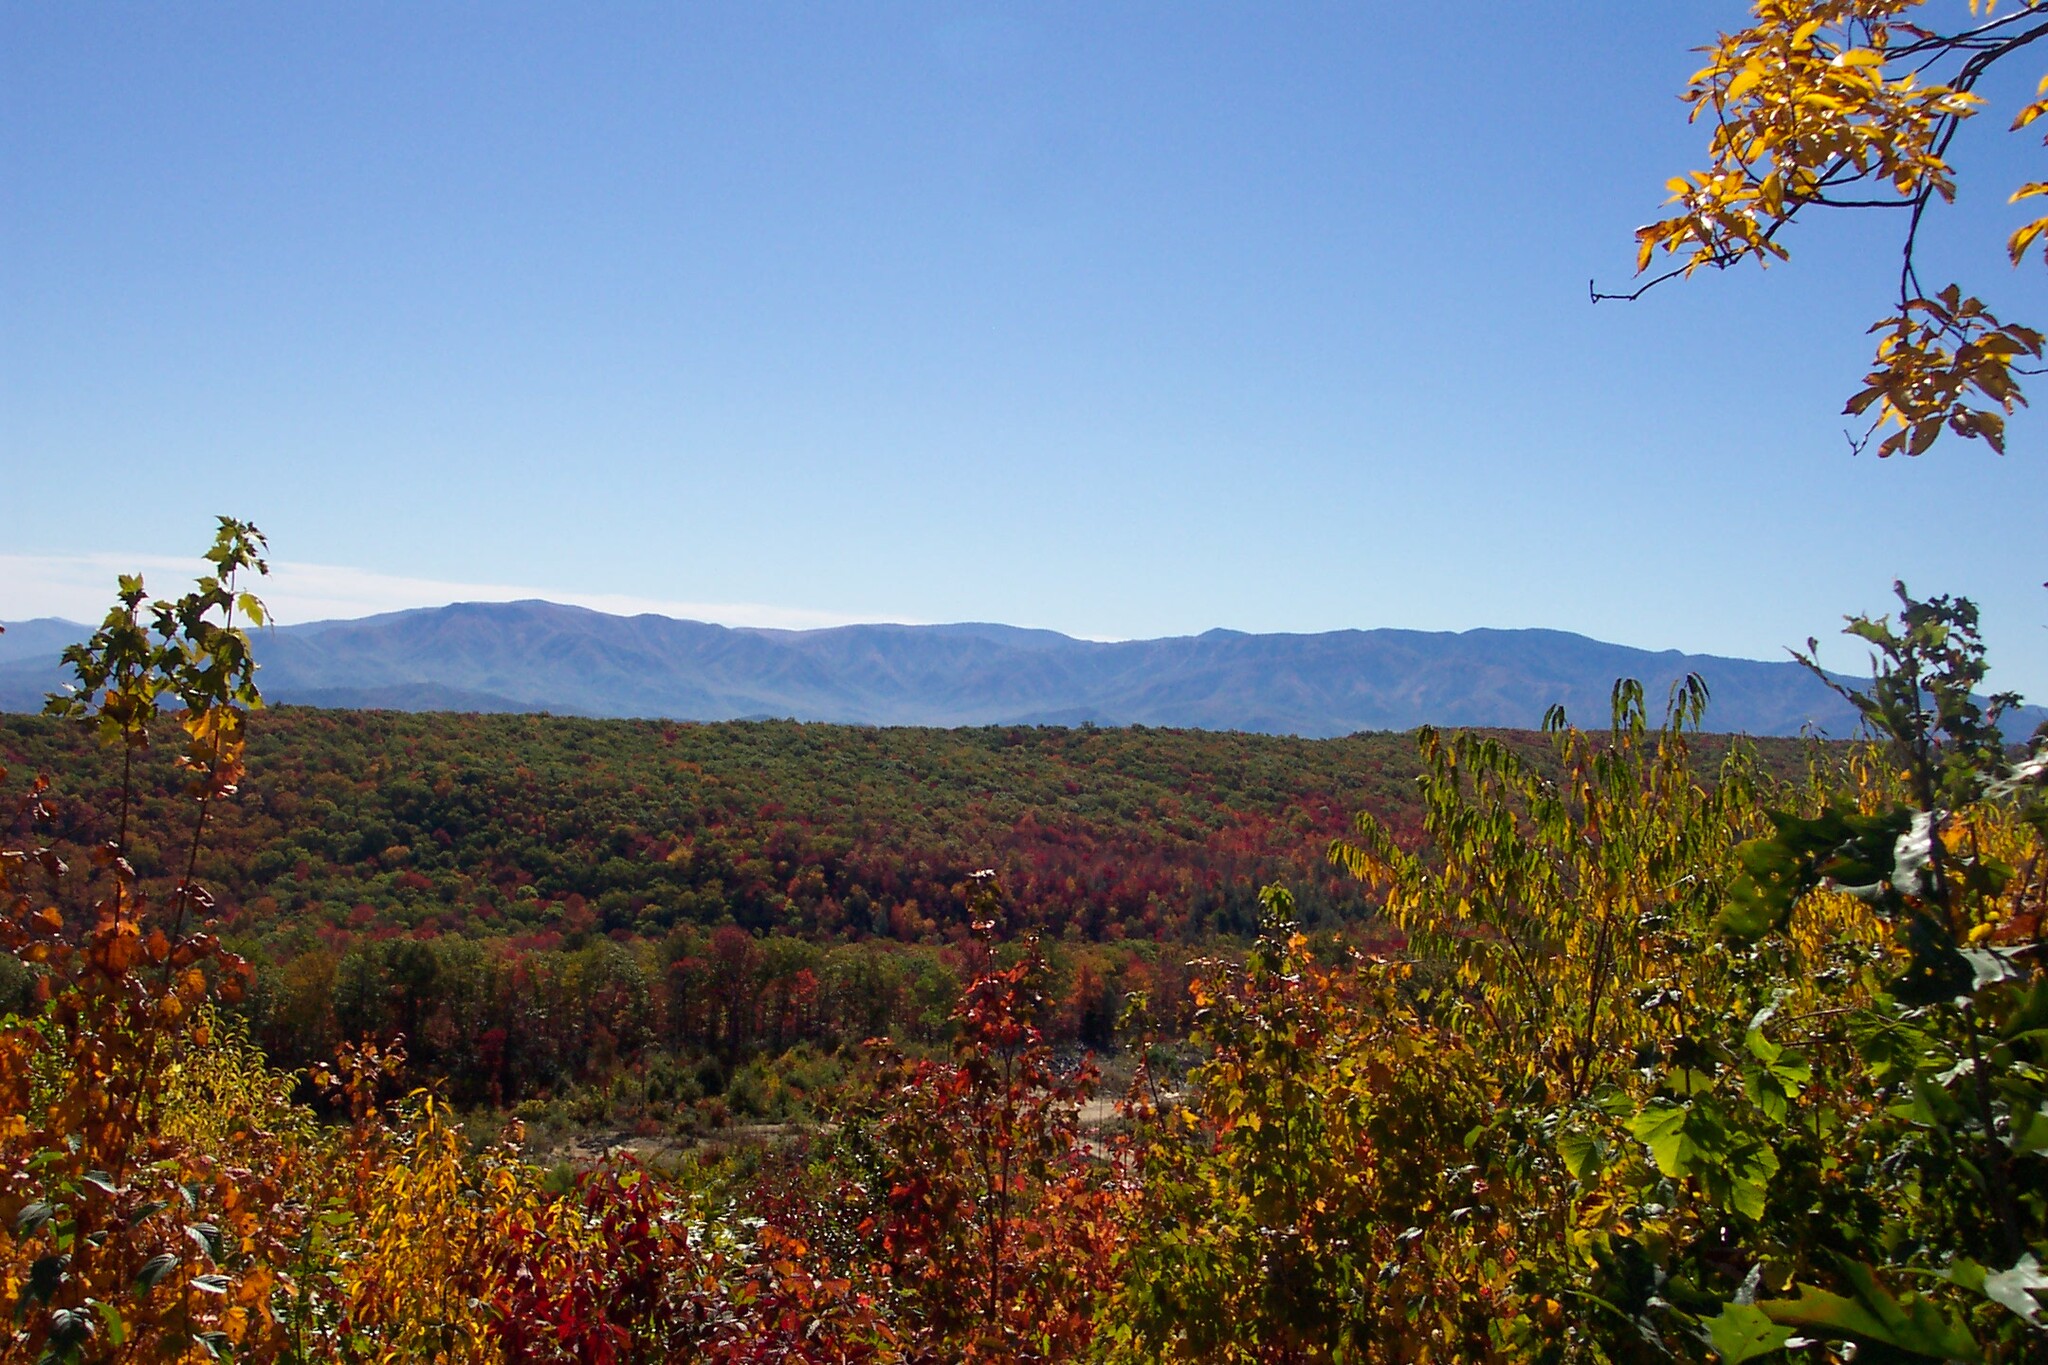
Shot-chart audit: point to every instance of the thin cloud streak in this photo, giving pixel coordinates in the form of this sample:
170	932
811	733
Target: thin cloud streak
80	588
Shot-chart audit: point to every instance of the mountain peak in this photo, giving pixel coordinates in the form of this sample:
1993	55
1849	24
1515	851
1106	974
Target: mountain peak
538	655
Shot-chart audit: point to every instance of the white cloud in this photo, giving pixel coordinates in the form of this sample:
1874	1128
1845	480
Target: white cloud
80	588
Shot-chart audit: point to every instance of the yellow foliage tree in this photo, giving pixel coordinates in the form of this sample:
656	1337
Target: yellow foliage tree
416	1275
1854	104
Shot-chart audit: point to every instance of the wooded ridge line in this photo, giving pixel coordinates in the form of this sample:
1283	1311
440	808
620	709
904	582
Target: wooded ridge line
542	656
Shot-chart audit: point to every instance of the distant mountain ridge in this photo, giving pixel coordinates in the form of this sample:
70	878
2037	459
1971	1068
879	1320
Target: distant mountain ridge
542	656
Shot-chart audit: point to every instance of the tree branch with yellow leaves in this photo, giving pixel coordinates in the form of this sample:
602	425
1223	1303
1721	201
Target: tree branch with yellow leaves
1852	104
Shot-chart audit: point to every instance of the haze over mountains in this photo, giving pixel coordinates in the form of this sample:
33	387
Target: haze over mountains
540	656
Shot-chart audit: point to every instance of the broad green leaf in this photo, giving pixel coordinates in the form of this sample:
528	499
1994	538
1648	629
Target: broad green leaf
1779	1079
1749	1181
1874	1315
2029	1131
2015	1288
31	1218
1584	1153
1742	1331
1852	850
1661	1127
1937	971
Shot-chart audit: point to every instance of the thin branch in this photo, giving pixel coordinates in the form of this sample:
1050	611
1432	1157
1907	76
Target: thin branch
1592	288
1824	202
1969	38
1909	279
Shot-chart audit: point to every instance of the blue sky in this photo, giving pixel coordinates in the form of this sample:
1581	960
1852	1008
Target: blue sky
1124	320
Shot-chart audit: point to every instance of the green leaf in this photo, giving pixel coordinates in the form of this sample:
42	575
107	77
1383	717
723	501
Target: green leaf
1661	1127
69	1329
117	1329
153	1271
1839	845
2015	1288
1742	1331
1989	966
1873	1315
1936	971
1781	1077
1584	1153
45	1277
2029	1131
1748	1181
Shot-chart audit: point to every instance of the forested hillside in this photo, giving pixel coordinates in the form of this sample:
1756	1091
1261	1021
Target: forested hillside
546	829
536	902
533	901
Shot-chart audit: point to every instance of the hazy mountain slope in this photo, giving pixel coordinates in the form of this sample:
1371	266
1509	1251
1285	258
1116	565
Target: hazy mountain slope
38	639
541	656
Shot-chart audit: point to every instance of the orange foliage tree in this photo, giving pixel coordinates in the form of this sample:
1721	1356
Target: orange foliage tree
995	1226
120	1236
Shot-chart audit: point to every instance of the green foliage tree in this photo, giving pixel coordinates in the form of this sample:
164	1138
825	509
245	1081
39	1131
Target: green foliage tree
1667	1068
1307	1203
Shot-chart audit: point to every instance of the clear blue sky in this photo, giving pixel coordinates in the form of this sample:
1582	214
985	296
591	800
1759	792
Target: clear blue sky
1120	319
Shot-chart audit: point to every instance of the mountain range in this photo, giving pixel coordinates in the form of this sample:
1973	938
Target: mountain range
542	656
